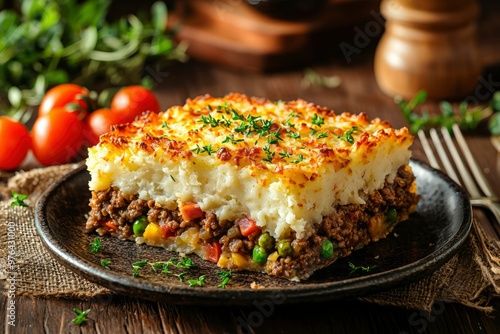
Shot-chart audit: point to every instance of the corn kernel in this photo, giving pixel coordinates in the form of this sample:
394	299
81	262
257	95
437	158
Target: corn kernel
239	260
153	233
223	261
273	256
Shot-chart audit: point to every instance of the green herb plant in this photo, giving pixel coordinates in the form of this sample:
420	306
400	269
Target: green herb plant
466	117
48	42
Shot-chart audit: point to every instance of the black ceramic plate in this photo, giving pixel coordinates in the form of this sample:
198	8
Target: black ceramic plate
414	249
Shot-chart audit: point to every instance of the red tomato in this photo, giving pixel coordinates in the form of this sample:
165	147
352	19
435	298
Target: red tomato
62	95
57	137
248	226
214	250
15	143
132	101
99	122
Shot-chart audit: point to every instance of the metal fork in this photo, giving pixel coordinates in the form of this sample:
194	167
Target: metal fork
487	199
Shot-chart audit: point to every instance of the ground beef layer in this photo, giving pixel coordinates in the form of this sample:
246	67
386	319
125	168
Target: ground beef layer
350	227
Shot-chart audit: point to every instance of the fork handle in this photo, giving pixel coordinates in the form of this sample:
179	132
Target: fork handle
494	208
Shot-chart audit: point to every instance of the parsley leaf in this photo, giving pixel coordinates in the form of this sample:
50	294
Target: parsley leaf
95	246
81	316
299	159
225	276
18	199
317	120
347	136
106	263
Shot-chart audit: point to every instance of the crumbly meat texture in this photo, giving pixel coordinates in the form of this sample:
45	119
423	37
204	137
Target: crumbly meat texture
349	227
251	184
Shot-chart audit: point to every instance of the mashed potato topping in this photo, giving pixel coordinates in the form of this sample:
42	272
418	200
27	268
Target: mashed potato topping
284	164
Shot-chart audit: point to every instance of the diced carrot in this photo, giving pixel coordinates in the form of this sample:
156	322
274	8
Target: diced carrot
248	226
167	231
109	224
191	211
214	250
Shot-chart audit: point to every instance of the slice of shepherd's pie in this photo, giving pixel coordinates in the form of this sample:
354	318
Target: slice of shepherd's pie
280	187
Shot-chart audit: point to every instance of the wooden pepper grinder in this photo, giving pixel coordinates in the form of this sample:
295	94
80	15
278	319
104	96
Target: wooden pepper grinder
428	45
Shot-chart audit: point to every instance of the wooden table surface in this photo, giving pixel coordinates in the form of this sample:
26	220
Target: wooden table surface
358	92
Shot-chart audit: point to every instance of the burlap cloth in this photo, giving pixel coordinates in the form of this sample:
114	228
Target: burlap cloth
471	277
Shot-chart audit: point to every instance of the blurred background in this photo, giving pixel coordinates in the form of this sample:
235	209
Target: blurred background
427	50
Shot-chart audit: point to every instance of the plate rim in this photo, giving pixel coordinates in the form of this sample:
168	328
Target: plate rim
349	287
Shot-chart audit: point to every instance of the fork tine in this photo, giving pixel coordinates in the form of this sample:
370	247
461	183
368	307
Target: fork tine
427	149
479	176
443	156
464	173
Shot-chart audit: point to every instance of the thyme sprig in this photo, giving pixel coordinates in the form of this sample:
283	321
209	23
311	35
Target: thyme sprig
355	268
197	282
468	118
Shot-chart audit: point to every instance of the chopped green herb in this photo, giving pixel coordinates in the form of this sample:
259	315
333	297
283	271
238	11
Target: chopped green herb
230	139
299	159
181	275
197	149
347	136
165	125
81	316
323	134
225	276
106	263
187	263
355	268
208	149
209	120
269	154
317	120
194	282
294	135
137	266
172	178
18	199
285	154
95	246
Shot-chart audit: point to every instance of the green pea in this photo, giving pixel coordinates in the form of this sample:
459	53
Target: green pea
392	215
284	248
259	255
266	242
139	226
326	249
